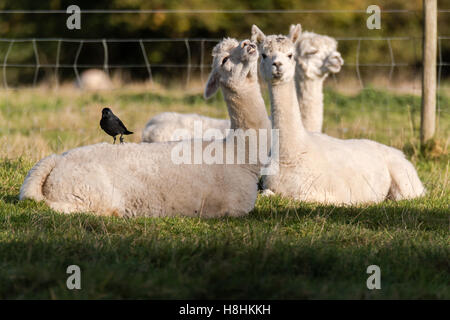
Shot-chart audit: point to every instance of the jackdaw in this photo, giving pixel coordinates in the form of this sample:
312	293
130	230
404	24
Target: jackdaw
112	125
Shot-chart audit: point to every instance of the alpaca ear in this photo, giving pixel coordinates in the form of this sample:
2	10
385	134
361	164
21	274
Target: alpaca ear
294	32
212	85
257	35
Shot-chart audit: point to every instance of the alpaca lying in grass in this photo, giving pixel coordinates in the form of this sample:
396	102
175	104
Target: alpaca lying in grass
94	80
143	180
163	126
318	168
319	58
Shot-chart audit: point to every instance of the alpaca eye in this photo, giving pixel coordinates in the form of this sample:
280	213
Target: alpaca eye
224	60
263	55
290	56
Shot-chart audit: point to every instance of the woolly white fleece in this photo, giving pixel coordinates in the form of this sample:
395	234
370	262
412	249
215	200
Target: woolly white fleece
163	126
142	179
318	168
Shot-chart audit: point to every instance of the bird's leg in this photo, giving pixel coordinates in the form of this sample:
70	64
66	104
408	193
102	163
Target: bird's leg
114	140
121	138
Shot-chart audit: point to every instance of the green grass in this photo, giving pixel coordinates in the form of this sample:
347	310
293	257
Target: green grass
282	250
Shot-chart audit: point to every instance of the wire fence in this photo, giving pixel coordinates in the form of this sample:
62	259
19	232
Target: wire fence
202	67
188	65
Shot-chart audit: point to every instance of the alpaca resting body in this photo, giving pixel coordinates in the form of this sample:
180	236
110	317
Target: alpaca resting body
163	126
318	168
143	180
137	180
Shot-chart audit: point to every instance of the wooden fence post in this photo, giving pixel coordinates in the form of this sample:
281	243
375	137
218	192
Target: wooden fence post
428	114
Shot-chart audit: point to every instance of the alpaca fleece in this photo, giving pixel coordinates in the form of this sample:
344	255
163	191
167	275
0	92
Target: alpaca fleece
318	168
142	179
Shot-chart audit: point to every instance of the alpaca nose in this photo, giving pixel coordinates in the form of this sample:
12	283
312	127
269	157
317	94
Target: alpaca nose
336	58
277	64
245	43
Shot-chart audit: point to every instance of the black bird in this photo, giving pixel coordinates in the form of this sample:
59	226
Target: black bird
112	125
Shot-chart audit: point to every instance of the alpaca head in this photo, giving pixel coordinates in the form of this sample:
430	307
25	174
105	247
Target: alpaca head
234	65
277	55
316	55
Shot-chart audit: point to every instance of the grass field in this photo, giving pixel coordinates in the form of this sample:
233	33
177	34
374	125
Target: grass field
282	250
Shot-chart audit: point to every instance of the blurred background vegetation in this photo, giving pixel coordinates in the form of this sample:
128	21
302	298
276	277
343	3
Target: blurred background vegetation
208	25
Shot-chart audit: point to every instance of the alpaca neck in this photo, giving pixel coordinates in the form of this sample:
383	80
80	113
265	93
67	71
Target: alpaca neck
287	119
246	107
247	111
310	100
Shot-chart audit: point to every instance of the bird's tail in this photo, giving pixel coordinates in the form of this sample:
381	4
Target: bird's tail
36	178
128	132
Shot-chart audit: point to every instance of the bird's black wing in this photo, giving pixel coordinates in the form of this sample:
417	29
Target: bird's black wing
120	123
122	126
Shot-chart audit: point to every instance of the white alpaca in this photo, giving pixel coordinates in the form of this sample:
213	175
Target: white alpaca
94	80
163	126
319	58
316	56
318	168
144	180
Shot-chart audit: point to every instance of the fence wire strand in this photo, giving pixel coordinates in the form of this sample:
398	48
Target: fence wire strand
202	57
5	63
105	57
80	46
147	64
58	52
36	57
358	49
188	51
391	53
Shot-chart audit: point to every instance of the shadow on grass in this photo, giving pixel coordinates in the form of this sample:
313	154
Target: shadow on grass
410	214
214	266
11	199
282	250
